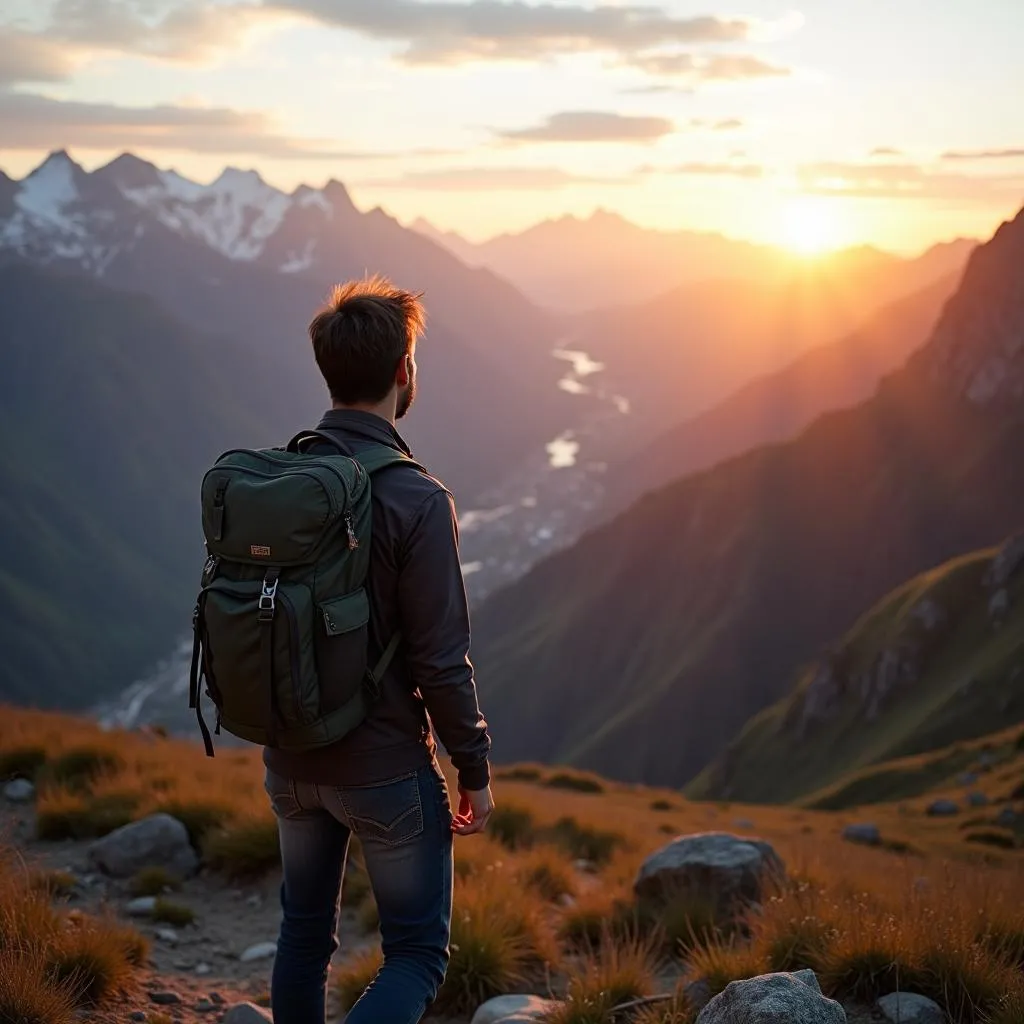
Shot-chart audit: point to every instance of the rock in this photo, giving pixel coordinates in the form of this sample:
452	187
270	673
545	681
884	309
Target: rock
999	605
255	900
907	1008
247	1013
216	997
156	841
143	906
168	935
567	900
585	867
967	779
202	969
977	800
137	1016
773	999
743	823
164	998
943	808
261	951
1007	561
205	1006
730	868
698	993
513	1010
1007	818
864	833
19	791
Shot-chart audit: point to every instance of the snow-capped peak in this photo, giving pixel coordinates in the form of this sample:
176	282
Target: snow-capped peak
50	188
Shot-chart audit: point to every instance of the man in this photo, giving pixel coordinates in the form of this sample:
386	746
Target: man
381	782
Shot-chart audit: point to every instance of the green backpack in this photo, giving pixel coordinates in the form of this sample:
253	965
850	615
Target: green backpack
280	624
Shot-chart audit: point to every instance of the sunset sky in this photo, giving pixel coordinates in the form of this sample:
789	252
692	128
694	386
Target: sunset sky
900	119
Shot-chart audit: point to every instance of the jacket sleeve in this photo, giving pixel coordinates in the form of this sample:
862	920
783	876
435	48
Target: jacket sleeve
435	627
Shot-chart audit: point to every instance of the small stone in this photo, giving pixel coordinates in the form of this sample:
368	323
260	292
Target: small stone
513	1010
137	1016
967	779
1007	818
943	808
585	867
567	900
743	823
205	1006
165	998
247	1013
999	605
261	951
202	969
19	791
256	900
907	1008
143	906
216	997
865	833
168	935
977	800
183	965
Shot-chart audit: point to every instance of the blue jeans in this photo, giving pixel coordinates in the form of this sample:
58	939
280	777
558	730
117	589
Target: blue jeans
404	827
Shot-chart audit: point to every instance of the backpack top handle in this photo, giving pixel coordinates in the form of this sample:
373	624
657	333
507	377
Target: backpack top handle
306	436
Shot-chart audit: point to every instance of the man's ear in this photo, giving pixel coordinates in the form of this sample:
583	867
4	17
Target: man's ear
404	372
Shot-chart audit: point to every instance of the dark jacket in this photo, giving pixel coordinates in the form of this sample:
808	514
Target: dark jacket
415	586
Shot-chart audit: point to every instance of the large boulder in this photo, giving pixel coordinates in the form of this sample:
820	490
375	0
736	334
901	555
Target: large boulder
733	869
773	999
907	1008
863	832
513	1010
156	841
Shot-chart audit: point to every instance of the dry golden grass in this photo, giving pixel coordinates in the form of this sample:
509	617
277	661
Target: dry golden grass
351	979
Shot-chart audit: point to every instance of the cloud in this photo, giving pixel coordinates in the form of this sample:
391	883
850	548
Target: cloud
722	67
450	32
180	30
490	179
709	169
985	154
902	181
880	151
592	126
27	57
729	124
30	121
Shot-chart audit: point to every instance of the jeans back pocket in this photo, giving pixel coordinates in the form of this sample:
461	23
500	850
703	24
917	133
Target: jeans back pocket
390	813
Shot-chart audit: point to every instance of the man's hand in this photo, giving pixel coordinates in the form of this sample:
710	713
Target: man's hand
475	808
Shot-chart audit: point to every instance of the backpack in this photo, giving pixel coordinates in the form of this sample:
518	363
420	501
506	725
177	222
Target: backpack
281	622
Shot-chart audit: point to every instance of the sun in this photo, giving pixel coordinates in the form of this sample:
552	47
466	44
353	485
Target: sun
809	225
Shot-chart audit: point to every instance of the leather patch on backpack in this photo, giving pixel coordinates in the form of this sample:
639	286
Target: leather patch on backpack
259	551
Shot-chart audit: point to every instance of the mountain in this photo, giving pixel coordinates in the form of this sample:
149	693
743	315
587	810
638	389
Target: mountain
576	264
779	405
641	650
110	411
937	661
241	258
690	349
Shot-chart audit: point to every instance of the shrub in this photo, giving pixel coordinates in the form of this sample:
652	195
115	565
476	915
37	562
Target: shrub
547	874
21	762
134	944
794	943
575	781
866	966
173	913
66	814
512	826
584	842
353	978
662	805
27	996
596	913
967	981
91	961
200	818
521	773
79	767
153	881
619	973
244	849
687	918
1018	793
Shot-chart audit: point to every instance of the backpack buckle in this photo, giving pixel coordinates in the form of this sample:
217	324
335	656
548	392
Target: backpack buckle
268	599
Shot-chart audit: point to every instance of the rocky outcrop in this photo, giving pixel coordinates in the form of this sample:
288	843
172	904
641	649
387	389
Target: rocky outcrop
773	999
734	870
156	841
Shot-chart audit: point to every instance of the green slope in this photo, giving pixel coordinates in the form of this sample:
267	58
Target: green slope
929	665
109	412
641	650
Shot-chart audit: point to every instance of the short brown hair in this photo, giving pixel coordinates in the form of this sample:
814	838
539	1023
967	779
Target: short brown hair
366	329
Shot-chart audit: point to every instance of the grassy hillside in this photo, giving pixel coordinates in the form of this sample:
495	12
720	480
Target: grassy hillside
929	665
928	905
643	649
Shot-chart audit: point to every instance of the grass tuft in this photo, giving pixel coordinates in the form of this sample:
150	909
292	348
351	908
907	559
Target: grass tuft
246	848
79	767
153	881
173	913
54	884
353	977
577	782
28	996
91	961
722	961
200	817
22	762
512	826
546	873
584	842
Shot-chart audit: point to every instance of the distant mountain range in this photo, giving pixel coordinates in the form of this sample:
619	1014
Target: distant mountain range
643	649
577	264
939	660
238	257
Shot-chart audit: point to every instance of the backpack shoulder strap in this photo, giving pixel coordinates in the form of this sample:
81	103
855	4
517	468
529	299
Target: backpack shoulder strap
376	457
